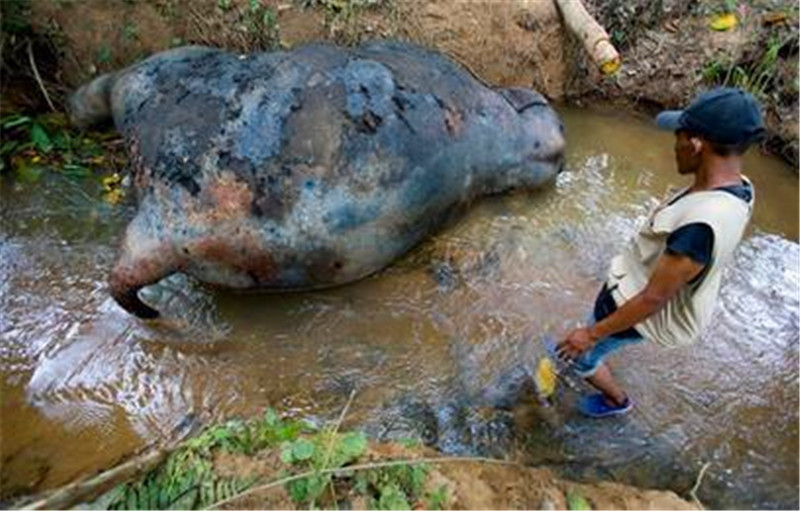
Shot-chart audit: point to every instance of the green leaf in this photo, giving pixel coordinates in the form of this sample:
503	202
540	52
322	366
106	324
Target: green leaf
298	490
269	18
576	502
353	445
27	173
62	141
315	485
418	475
72	170
438	498
271	417
286	452
302	449
12	121
393	498
104	54
9	147
288	432
40	138
362	482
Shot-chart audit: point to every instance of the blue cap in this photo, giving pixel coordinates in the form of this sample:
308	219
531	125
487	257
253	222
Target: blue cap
725	115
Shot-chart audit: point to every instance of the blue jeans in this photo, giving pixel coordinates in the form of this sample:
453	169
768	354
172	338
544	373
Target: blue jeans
586	364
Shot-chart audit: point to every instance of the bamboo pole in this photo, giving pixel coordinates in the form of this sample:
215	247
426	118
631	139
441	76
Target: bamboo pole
593	36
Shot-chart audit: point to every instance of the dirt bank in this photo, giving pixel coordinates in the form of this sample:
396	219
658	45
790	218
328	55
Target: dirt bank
671	52
467	485
274	463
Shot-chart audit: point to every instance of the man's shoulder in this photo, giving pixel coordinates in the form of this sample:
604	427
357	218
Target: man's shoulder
743	190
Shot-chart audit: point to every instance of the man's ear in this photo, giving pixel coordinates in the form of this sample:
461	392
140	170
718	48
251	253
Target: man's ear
697	144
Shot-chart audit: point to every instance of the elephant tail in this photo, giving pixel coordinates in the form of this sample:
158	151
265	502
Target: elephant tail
144	259
91	104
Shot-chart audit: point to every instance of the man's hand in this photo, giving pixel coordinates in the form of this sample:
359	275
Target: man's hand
575	343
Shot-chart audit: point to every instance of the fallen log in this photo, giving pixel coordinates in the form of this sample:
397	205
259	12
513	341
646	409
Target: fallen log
91	488
87	490
594	38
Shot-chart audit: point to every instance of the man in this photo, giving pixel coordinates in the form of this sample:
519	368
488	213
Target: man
664	285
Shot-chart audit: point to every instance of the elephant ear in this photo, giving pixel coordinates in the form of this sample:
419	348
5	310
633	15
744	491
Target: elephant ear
522	99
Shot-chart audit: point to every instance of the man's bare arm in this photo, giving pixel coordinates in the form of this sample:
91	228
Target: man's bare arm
672	272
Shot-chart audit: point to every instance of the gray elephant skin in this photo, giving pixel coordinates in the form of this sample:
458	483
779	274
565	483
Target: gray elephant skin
308	168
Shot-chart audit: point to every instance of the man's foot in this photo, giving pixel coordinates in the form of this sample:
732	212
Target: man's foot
597	406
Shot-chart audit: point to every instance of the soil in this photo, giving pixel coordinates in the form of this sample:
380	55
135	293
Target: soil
664	68
469	484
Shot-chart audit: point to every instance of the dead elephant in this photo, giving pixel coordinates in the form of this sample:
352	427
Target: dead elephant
306	168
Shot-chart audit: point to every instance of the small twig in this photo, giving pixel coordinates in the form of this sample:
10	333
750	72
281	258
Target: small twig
38	77
332	441
696	486
357	468
336	427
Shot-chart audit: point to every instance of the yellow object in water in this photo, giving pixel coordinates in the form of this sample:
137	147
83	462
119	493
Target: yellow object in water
723	22
114	196
111	182
112	186
546	378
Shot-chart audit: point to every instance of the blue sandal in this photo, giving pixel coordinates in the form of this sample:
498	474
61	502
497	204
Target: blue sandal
596	406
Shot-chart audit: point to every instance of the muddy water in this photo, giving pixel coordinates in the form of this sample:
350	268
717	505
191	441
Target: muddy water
430	346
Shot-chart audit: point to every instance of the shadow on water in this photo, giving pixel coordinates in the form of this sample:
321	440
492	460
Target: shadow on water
437	347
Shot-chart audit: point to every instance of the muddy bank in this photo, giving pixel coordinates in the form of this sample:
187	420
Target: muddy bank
670	52
270	462
480	485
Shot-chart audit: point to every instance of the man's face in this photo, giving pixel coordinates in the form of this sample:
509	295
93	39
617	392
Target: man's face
687	152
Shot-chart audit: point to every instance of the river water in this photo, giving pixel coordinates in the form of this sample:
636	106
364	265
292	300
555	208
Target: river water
429	346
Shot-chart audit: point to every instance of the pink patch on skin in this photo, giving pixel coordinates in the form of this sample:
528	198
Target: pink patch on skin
231	197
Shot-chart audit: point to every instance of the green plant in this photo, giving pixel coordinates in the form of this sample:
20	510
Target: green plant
319	466
625	21
129	31
104	54
393	487
187	479
31	144
714	70
577	502
261	22
756	73
438	498
328	449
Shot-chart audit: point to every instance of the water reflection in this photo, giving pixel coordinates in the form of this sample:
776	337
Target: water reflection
433	345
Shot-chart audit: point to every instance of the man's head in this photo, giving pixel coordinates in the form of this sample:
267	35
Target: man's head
722	122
